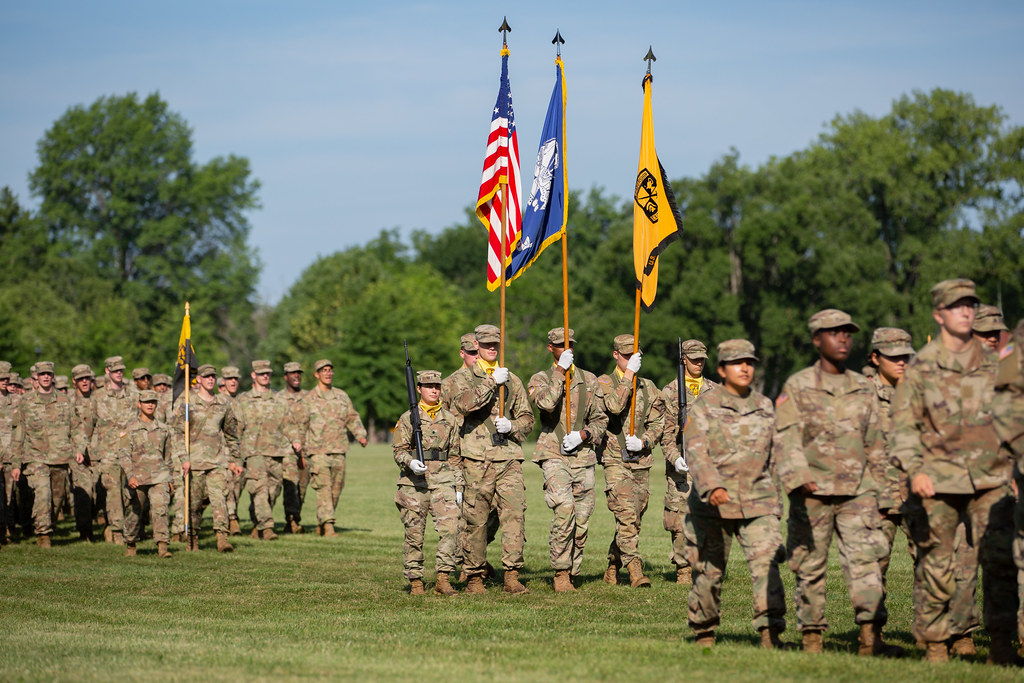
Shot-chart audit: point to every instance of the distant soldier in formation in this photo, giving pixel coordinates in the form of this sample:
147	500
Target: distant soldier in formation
7	419
110	411
83	474
162	387
229	380
145	452
296	473
989	327
142	379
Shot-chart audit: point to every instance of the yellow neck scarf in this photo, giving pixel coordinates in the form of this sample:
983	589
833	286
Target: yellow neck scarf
693	385
431	411
619	373
488	366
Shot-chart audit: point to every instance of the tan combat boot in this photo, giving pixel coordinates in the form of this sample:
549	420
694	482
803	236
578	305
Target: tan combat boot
475	586
770	639
636	574
108	534
962	645
611	575
563	584
706	639
118	538
233	527
683	576
463	576
319	529
936	652
43	541
269	535
129	550
416	587
193	543
162	551
512	584
296	527
329	531
812	642
254	534
222	543
867	643
443	585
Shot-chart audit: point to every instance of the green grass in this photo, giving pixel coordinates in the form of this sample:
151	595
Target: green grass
311	607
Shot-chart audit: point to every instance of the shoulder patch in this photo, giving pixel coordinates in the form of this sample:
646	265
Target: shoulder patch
121	435
1007	350
783	397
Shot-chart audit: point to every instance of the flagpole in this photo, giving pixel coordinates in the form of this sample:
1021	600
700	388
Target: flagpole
187	476
501	341
636	347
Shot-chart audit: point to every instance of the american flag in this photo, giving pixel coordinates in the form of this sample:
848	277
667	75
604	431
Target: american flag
501	165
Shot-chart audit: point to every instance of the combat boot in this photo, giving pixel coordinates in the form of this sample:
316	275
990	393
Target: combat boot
193	543
416	587
118	538
443	585
269	535
812	642
329	531
319	529
684	577
255	533
512	584
886	649
162	551
611	575
296	527
101	518
489	571
867	643
1001	651
706	639
936	652
108	534
129	550
43	541
222	543
770	638
233	527
475	586
962	646
636	574
563	584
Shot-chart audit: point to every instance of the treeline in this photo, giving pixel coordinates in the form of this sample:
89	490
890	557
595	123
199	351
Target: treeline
865	219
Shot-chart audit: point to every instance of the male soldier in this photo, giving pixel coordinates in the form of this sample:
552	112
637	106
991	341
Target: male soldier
162	385
207	460
99	382
61	384
830	460
328	419
6	425
145	454
142	379
734	495
231	376
83	475
627	456
110	410
296	474
432	486
228	381
60	486
677	485
492	457
261	424
989	327
565	452
48	435
944	439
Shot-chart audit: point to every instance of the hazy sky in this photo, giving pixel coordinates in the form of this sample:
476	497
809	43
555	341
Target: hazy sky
362	116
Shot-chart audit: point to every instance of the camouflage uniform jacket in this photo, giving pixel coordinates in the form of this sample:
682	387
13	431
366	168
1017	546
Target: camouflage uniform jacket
942	421
164	409
48	430
448	398
296	408
893	491
547	391
440	434
729	447
1008	406
145	451
476	400
8	415
670	436
329	418
209	448
649	417
259	425
831	436
109	413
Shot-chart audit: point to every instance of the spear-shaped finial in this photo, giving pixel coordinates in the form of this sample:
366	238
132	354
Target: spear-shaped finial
503	30
558	41
650	58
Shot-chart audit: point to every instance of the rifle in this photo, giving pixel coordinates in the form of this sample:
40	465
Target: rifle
414	405
681	393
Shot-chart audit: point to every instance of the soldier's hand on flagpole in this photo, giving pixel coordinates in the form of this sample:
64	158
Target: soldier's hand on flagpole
571	442
633	443
680	465
297	447
186	467
503	425
417	467
500	375
458	498
15	474
565	360
633	364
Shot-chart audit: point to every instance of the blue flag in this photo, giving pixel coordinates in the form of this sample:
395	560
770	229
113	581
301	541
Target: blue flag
547	209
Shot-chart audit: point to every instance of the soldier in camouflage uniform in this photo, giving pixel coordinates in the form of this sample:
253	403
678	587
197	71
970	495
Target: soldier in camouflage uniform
83	474
989	327
229	379
492	457
48	435
208	459
830	457
142	379
434	486
566	453
145	453
734	496
944	439
7	417
627	455
329	418
110	410
677	484
296	474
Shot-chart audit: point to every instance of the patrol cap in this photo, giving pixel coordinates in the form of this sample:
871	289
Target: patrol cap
735	349
5	369
60	382
556	336
43	366
230	372
623	344
80	372
830	319
1011	360
989	319
162	379
206	370
428	377
292	366
892	341
139	373
100	381
114	363
322	363
32	370
15	379
695	349
148	396
261	366
487	334
949	292
468	342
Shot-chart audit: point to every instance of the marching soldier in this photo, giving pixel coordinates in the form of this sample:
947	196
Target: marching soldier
83	474
142	379
296	474
145	454
110	410
989	327
8	501
229	380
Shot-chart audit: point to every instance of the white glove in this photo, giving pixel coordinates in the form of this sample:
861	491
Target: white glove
681	465
500	375
570	441
417	467
634	443
634	363
565	360
458	497
502	424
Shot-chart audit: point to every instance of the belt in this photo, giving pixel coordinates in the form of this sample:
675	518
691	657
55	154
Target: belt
434	454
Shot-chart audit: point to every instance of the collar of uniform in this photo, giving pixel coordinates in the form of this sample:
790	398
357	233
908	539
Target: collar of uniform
743	406
946	359
327	393
883	390
849	383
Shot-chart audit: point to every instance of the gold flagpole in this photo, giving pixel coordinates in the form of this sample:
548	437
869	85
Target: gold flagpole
188	381
565	324
636	347
501	259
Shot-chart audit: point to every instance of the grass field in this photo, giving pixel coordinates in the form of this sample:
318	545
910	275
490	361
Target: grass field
308	607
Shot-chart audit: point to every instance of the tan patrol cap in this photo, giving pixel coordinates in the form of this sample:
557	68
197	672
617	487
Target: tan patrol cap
114	363
100	381
5	369
43	366
892	341
468	342
487	334
694	349
139	373
735	349
148	396
60	382
322	363
15	379
230	372
428	377
261	366
161	379
949	292
830	319
292	366
556	336
989	319
623	344
1011	360
206	370
81	372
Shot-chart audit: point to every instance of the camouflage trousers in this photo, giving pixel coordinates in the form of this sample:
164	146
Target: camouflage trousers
83	494
627	492
708	541
492	532
414	504
111	479
677	489
178	501
988	523
158	497
569	494
500	483
212	484
41	479
9	503
856	523
60	489
263	482
1018	552
236	482
296	481
327	477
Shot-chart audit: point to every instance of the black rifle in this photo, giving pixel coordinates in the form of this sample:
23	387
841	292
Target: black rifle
682	395
414	405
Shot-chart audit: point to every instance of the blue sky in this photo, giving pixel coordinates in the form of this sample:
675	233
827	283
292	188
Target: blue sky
358	117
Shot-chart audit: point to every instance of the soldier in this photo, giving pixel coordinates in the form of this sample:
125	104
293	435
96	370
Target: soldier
296	474
989	327
110	410
830	459
734	496
434	486
99	382
492	457
329	418
565	452
627	455
162	383
231	376
142	379
145	454
60	486
677	485
208	459
83	474
944	439
228	381
164	408
61	384
49	433
6	428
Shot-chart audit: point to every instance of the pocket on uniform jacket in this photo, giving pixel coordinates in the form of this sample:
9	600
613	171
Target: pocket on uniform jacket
405	501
